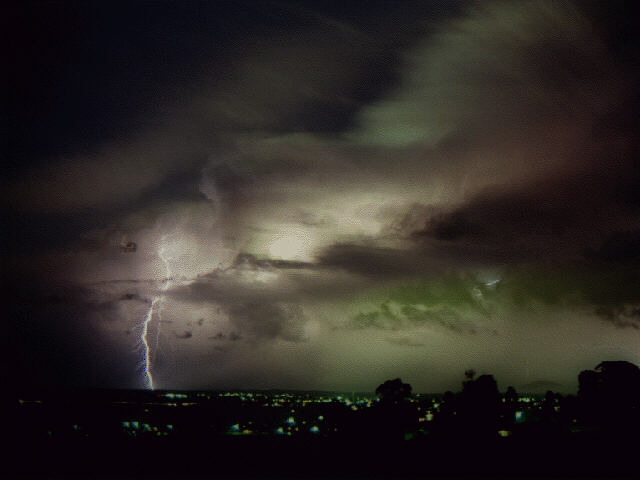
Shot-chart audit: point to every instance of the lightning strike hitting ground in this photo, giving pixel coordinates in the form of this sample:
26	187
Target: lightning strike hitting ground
146	366
157	300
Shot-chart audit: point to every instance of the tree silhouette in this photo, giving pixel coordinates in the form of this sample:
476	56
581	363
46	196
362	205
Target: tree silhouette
393	391
511	396
445	420
609	395
479	405
394	416
509	407
485	388
548	409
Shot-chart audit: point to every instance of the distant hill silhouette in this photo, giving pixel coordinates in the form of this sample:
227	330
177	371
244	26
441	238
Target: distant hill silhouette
541	386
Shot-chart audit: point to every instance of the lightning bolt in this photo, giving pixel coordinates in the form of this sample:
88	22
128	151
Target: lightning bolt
167	282
156	306
146	358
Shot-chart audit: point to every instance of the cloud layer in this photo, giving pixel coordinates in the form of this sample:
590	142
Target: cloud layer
455	197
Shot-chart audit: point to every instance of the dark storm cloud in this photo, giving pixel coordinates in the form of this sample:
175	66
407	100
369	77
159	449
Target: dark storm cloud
553	111
225	186
258	311
233	337
271	281
514	225
610	292
267	321
621	317
443	317
132	296
61	332
283	83
452	294
495	72
547	104
99	89
386	157
531	86
570	210
409	317
82	298
251	262
373	261
619	247
405	341
109	177
437	276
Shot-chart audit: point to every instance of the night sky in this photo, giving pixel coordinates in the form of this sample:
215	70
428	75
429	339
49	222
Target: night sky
322	195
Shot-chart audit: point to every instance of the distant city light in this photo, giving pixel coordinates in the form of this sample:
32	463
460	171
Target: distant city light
304	421
175	395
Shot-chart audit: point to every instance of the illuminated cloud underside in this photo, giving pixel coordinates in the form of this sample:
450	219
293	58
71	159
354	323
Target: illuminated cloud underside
311	216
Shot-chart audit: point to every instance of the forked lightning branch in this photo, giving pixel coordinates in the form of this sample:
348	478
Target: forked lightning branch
155	309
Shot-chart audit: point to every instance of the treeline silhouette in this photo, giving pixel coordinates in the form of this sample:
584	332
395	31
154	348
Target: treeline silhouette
477	429
607	403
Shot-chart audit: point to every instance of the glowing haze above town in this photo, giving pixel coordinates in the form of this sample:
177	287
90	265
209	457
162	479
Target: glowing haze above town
312	195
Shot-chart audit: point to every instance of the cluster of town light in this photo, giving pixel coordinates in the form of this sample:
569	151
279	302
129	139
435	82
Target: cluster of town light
134	428
290	425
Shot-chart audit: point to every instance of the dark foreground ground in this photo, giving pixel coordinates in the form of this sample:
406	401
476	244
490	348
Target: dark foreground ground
582	455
